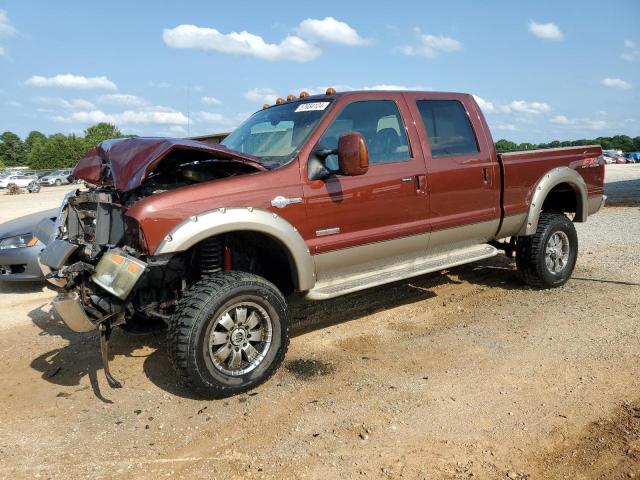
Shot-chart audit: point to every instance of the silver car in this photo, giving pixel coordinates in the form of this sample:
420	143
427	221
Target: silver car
59	177
19	249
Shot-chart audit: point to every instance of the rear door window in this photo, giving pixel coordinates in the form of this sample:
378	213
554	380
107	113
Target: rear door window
448	128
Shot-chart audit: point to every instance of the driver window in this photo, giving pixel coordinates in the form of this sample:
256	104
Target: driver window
380	123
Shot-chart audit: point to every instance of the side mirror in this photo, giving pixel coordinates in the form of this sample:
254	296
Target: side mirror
353	157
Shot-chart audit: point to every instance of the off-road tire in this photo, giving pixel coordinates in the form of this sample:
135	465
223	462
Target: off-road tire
530	252
190	325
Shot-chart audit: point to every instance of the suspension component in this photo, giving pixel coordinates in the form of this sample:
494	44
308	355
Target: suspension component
210	255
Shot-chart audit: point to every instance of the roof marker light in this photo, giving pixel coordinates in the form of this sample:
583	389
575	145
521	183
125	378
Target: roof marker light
291	97
330	91
265	105
304	94
279	101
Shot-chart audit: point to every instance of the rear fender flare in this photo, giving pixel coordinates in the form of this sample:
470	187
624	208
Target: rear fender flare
226	220
544	186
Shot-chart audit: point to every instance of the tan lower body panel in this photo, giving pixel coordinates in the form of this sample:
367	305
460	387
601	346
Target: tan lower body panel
352	269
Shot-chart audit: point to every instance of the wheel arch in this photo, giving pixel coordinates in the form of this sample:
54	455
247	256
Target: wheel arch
245	219
556	180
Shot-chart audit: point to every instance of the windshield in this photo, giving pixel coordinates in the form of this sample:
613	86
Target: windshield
276	134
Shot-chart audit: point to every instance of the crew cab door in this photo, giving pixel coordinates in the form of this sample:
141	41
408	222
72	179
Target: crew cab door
463	171
385	203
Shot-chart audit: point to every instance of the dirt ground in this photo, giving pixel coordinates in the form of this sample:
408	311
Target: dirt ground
465	373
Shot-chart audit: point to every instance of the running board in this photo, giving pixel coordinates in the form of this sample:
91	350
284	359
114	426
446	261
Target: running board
361	280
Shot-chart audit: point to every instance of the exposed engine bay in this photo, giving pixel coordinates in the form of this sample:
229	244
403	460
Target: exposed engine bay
94	221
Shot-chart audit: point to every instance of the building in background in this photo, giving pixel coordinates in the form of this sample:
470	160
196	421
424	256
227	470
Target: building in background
212	138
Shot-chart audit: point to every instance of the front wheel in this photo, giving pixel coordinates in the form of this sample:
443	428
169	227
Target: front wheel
58	182
229	334
547	258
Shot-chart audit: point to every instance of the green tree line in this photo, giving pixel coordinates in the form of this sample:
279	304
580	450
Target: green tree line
617	142
41	152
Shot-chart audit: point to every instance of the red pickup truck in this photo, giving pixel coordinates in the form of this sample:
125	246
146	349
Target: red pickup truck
323	195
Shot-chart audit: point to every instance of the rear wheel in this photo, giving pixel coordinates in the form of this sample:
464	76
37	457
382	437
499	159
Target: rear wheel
229	334
547	258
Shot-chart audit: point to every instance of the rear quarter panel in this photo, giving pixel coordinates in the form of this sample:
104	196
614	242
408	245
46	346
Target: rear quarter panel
523	170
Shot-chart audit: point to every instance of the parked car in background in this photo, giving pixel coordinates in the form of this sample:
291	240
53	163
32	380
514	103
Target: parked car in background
17	179
59	177
19	248
633	157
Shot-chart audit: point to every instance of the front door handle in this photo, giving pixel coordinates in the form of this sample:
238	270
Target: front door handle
406	179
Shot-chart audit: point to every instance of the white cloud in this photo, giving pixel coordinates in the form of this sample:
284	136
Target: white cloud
522	106
391	86
485	105
12	103
546	31
579	123
210	117
631	52
292	48
123	100
264	95
6	28
509	127
158	116
615	83
330	30
210	100
72	81
153	84
177	129
431	46
3	52
74	104
595	124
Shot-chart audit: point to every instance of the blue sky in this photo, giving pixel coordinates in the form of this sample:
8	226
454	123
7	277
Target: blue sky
543	70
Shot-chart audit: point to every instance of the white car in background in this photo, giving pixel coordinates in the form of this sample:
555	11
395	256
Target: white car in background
18	179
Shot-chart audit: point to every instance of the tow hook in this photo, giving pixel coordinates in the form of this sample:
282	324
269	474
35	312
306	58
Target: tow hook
105	328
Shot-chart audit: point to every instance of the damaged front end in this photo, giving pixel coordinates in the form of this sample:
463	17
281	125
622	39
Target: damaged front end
96	256
88	259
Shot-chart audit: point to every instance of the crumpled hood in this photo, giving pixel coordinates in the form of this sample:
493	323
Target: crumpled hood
125	163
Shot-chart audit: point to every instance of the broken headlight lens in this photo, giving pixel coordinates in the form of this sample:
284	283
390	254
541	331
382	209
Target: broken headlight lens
118	273
19	241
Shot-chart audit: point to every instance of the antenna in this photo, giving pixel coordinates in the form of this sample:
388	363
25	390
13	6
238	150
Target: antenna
188	110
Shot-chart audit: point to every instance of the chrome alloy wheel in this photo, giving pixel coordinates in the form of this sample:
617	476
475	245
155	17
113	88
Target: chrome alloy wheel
557	252
240	338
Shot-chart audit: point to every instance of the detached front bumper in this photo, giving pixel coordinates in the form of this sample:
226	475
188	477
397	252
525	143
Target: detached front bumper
70	310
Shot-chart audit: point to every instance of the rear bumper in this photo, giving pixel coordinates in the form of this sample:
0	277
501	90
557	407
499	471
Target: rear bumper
21	264
596	203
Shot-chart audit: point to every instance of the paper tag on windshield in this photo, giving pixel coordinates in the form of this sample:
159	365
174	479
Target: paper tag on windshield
310	106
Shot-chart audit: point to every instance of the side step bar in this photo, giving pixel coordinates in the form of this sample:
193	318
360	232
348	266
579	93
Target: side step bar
362	280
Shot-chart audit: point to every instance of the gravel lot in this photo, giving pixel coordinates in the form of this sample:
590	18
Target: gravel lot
452	375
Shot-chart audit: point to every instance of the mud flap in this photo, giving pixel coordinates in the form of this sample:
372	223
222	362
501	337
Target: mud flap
105	329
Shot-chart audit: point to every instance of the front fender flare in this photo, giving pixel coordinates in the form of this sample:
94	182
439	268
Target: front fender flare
544	186
225	220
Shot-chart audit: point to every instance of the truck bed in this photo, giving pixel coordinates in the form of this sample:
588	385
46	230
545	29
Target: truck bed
522	170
